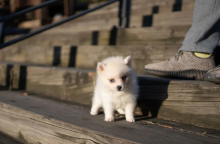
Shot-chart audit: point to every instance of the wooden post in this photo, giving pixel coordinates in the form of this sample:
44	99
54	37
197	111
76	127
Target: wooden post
13	5
124	13
68	7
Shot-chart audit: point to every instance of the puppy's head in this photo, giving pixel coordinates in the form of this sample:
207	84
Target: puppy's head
115	72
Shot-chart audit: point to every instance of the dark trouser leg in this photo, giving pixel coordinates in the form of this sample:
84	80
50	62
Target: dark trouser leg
204	34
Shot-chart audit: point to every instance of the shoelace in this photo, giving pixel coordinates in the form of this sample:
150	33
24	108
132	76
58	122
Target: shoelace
179	54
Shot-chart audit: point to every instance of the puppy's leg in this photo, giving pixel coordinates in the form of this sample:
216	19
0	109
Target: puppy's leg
120	111
109	112
96	104
129	112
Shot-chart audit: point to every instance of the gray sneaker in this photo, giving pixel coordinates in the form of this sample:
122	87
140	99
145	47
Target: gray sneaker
184	65
213	75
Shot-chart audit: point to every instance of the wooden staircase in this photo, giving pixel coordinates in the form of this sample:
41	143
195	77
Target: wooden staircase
59	64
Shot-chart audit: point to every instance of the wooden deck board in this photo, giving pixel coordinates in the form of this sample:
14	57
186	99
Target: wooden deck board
46	121
185	97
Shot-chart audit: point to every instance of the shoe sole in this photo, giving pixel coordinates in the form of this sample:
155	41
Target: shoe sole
188	74
211	78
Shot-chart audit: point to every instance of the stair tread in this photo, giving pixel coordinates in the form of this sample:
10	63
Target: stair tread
43	110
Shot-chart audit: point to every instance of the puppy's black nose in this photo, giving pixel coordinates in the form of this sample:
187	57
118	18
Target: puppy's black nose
119	87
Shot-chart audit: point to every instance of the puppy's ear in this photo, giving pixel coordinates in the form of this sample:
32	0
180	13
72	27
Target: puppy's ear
100	67
127	61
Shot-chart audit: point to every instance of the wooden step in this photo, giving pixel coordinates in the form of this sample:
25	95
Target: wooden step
73	27
89	56
163	20
97	16
86	56
178	18
194	102
163	6
60	83
158	2
70	36
150	36
36	120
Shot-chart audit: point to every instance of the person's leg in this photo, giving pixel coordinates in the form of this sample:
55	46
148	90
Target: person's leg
203	35
195	56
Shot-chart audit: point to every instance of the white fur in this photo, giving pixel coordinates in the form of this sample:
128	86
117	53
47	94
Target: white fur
106	94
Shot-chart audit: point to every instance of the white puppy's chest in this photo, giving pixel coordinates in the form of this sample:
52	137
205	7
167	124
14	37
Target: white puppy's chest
119	100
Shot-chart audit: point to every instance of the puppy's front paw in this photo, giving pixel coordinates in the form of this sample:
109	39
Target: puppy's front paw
93	113
109	119
130	119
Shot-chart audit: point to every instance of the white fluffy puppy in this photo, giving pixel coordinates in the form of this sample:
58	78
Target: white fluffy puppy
116	88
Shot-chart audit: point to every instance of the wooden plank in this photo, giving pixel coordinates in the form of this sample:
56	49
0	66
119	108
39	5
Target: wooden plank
29	127
104	37
61	84
175	15
30	24
15	77
190	115
97	16
65	56
45	121
88	56
68	7
87	26
150	3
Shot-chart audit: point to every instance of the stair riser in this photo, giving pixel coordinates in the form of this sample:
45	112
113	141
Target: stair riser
87	57
69	85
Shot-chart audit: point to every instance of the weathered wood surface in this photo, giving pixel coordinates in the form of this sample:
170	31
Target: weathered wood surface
194	98
97	16
42	45
164	10
88	56
52	38
148	36
33	120
95	25
173	19
62	84
167	4
164	19
46	127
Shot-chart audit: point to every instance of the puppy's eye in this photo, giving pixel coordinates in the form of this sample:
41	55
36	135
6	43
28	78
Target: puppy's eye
112	80
124	78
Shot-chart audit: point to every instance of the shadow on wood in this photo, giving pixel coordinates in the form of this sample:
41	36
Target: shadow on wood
217	56
56	55
72	59
151	96
22	78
